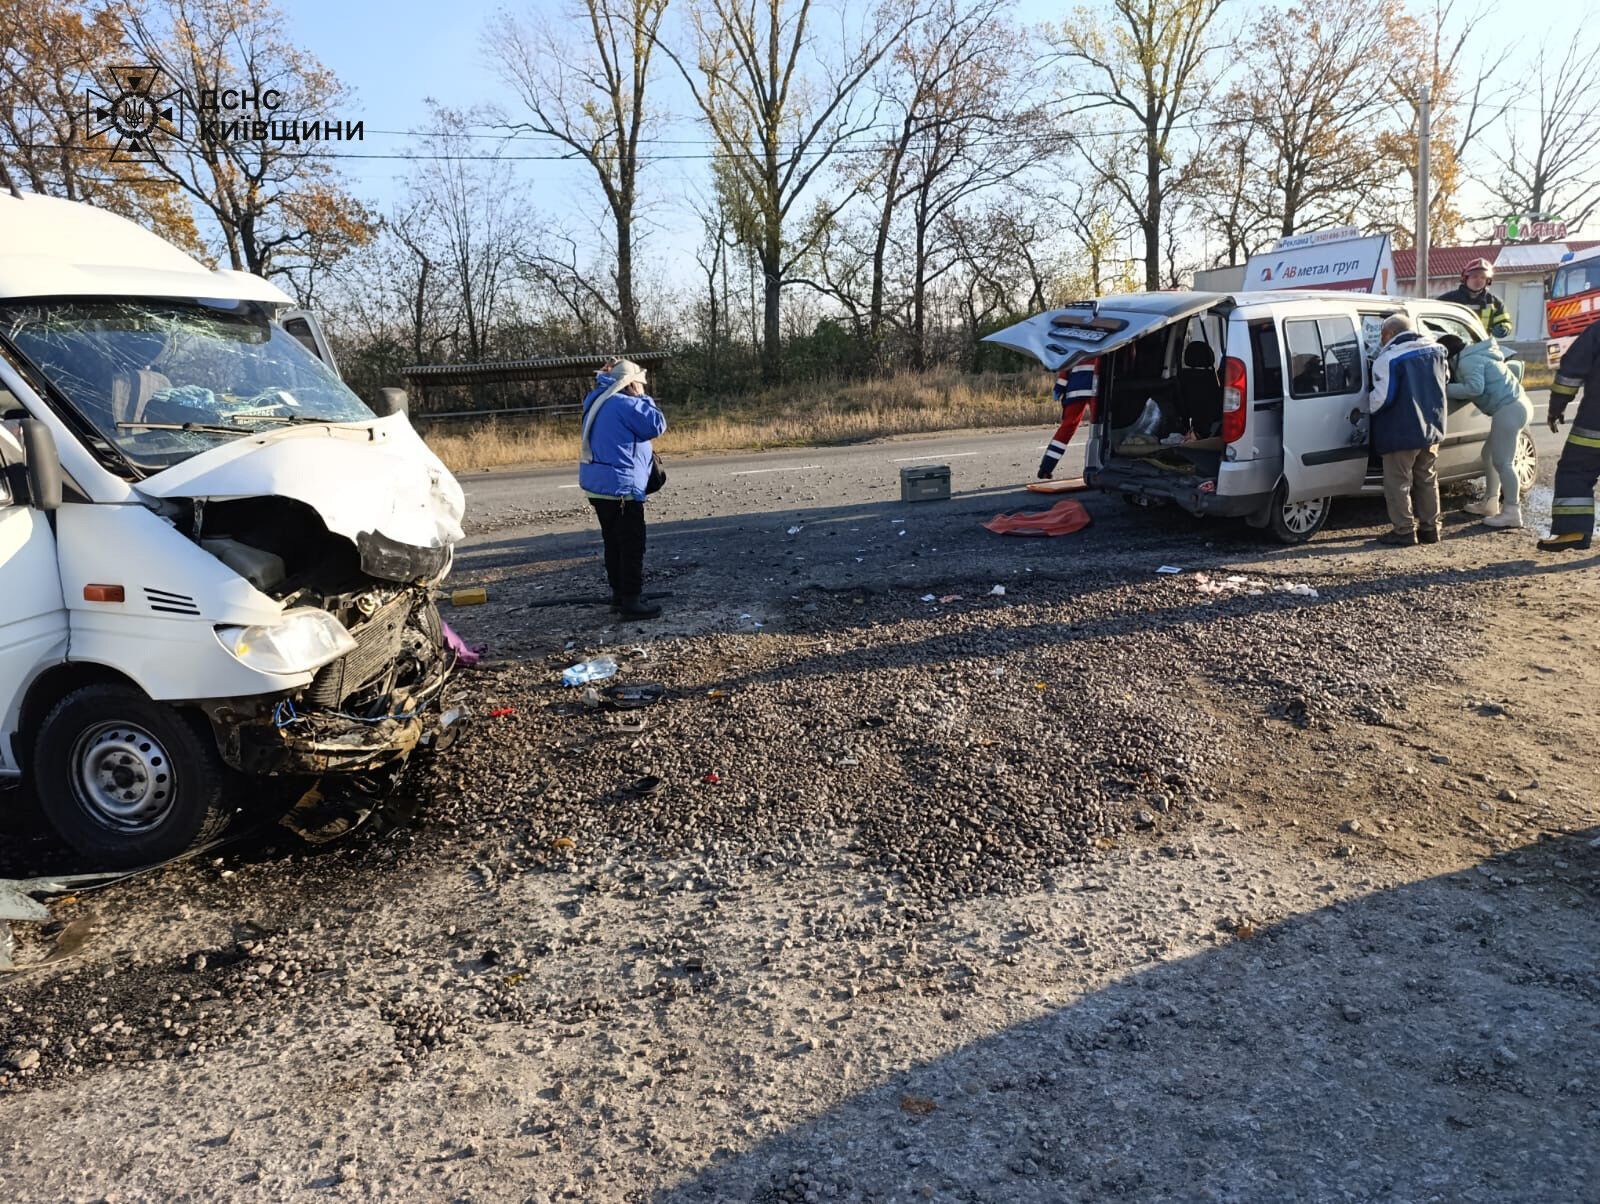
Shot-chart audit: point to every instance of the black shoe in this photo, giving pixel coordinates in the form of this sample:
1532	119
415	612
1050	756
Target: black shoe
1396	539
636	608
1427	534
1572	541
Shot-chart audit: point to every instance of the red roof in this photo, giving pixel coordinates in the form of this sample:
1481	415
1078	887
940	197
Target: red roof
1452	261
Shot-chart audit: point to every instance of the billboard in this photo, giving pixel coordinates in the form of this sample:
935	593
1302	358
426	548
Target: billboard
1333	260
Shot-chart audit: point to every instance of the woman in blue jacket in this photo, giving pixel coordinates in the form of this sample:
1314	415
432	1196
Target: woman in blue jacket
1486	378
619	421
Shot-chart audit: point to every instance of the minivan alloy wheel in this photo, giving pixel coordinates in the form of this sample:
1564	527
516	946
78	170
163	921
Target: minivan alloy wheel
1304	517
1526	461
123	776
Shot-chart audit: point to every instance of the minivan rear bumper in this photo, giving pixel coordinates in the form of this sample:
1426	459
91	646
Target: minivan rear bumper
1197	496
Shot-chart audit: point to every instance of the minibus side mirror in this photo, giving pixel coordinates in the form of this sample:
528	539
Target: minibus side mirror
43	465
391	401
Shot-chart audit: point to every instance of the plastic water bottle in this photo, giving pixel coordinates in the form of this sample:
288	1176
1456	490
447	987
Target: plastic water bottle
598	669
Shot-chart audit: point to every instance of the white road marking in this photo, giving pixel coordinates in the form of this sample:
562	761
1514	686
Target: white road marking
930	459
569	487
750	472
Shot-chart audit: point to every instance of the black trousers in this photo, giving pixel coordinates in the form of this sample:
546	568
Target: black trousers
622	526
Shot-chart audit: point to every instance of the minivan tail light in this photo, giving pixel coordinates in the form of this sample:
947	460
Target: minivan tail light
1233	399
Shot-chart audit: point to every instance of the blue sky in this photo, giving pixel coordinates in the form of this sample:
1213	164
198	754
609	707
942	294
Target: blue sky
400	52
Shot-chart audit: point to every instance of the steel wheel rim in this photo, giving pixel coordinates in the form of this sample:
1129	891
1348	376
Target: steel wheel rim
1303	517
123	776
1526	461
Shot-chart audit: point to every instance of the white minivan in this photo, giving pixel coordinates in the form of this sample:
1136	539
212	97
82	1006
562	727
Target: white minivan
1245	405
215	560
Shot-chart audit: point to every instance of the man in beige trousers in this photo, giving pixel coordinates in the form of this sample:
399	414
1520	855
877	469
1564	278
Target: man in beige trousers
1407	403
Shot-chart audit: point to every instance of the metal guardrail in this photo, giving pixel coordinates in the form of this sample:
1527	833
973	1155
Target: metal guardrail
554	367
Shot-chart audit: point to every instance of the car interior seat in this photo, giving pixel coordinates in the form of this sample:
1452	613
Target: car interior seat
1200	390
131	393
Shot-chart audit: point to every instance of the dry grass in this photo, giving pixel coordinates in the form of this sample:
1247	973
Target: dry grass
792	416
1538	376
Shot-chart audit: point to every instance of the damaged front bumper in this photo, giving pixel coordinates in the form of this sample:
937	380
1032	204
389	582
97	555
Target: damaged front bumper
268	736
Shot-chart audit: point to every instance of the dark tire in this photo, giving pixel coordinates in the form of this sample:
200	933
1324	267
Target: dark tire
1296	522
126	781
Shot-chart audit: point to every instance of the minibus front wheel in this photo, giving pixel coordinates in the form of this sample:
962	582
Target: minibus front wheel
127	781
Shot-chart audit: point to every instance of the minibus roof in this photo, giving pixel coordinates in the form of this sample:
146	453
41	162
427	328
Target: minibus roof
50	247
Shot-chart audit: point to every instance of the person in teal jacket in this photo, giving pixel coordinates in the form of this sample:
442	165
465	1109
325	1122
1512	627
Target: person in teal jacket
1485	377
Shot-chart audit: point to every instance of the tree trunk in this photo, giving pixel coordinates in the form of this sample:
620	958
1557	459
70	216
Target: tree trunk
771	333
627	311
1152	210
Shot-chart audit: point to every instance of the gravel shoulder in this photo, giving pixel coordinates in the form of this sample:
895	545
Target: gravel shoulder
1116	886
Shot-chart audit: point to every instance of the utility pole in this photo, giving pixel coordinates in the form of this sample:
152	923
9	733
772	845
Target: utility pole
1424	169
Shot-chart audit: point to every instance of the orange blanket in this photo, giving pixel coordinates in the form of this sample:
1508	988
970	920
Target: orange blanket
1063	518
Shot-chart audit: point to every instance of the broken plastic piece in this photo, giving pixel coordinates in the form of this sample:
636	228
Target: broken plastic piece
712	778
502	712
998	591
1169	569
595	669
634	696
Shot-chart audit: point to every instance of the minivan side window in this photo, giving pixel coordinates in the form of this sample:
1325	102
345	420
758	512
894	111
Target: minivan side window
1437	324
1324	356
1267	363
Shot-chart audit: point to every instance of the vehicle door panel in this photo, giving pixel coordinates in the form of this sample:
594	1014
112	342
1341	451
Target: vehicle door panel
1324	408
1061	337
33	617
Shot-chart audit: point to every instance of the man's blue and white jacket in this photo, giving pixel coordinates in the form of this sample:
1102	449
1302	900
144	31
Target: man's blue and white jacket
1407	401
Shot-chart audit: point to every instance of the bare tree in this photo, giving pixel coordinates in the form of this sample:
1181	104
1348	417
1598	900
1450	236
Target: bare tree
1314	95
1440	48
270	200
1554	168
968	122
465	208
779	105
1144	62
589	92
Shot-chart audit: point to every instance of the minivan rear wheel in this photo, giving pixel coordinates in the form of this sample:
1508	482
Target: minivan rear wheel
1296	522
126	781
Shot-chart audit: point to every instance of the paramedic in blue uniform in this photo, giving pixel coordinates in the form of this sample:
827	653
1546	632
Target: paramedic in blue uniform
1572	511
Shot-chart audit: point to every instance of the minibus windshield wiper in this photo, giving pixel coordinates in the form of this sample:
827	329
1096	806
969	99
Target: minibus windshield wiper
212	428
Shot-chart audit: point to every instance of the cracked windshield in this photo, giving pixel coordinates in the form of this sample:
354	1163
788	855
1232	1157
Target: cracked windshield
164	380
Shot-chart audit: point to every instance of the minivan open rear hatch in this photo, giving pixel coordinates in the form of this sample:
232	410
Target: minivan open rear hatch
1059	338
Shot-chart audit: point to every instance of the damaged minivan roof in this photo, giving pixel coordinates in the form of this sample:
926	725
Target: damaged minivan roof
55	248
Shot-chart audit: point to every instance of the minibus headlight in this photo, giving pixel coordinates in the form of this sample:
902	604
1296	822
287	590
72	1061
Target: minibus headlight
303	640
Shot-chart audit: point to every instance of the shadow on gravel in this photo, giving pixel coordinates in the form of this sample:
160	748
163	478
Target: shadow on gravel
1436	1041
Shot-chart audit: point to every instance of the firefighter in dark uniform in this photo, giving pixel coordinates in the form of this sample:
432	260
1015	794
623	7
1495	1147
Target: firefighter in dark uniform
1572	512
1475	295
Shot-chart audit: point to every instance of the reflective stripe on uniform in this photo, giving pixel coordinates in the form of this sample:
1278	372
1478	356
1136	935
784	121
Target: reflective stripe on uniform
1572	505
1583	437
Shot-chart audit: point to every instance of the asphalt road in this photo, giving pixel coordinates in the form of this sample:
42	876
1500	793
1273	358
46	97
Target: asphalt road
734	539
978	461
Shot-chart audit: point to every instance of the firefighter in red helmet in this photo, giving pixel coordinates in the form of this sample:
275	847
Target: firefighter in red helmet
1475	295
